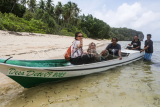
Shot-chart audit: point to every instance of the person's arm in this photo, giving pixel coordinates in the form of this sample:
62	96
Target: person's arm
79	44
145	47
139	44
136	47
104	51
120	57
107	48
119	51
131	44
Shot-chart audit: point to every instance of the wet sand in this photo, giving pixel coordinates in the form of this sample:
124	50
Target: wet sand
133	85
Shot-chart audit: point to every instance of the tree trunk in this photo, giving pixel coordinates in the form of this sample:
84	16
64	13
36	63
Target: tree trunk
13	6
58	20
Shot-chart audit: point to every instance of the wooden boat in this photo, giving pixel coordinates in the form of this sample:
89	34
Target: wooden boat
29	73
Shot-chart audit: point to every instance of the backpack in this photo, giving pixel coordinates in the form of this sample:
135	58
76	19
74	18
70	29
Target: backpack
67	55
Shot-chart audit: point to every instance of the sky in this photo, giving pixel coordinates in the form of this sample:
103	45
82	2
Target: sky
141	15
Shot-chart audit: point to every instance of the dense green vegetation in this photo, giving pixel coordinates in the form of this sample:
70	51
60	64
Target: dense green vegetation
94	27
10	6
125	34
61	19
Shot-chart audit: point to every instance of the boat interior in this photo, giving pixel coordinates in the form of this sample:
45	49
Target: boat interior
43	63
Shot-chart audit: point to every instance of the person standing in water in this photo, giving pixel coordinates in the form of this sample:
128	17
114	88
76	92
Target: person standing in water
136	43
148	48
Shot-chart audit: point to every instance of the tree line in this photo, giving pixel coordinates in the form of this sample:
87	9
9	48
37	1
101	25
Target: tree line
125	34
46	17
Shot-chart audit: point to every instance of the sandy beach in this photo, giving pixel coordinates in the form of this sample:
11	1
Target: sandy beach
38	46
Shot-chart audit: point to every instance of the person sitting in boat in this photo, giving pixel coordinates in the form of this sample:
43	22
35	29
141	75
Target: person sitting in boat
104	55
77	55
136	43
92	50
114	50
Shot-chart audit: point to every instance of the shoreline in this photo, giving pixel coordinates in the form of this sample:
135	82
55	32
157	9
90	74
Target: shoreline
35	46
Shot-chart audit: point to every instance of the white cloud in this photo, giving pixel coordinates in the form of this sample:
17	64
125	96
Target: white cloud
125	13
62	1
131	16
146	19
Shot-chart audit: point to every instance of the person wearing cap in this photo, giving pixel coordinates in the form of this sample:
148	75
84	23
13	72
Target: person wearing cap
148	48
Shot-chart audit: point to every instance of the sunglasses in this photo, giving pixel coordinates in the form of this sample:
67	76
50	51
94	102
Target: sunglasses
92	45
80	36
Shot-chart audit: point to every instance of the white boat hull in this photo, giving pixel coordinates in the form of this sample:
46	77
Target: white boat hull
67	71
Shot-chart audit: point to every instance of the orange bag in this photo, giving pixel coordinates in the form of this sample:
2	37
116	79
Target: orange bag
68	54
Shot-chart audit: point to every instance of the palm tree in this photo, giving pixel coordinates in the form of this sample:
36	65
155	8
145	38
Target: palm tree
24	2
51	11
68	9
40	10
42	5
49	4
50	7
76	12
15	1
58	10
32	5
77	20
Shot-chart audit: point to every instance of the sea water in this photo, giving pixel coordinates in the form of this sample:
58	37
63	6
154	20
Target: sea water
133	85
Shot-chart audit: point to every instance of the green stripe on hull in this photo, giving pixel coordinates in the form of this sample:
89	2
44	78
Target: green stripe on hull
28	82
38	63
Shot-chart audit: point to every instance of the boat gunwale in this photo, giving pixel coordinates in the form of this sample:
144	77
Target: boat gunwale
98	66
58	59
94	68
32	60
56	68
86	69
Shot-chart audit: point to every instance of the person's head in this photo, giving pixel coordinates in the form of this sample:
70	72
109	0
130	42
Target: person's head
92	45
114	40
149	36
78	36
136	37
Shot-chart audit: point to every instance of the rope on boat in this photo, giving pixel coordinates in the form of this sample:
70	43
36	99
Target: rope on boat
7	59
